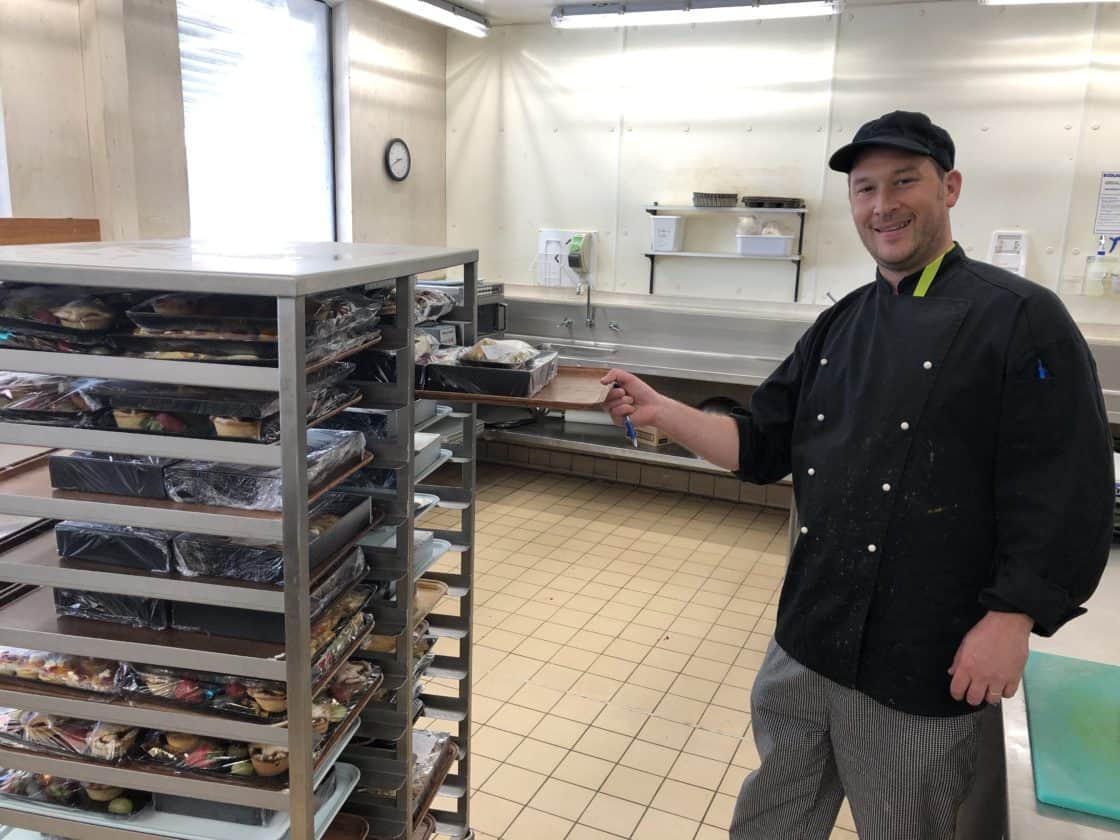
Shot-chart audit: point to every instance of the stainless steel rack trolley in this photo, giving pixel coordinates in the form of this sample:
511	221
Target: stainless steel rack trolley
288	273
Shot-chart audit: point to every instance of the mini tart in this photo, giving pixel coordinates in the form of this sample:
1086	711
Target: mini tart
102	793
88	321
181	741
320	718
235	427
271	701
268	760
127	418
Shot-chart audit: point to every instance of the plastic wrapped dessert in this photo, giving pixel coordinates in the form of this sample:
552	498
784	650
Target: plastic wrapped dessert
267	627
236	328
141	476
334	520
50	400
190	753
252	316
62	310
110	742
132	610
78	672
260	488
115	545
219	412
69	793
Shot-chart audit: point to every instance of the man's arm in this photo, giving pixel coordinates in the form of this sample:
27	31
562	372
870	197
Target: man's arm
1054	499
713	437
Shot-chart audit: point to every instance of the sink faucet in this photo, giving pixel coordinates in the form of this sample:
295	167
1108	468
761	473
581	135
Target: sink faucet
565	324
614	326
590	319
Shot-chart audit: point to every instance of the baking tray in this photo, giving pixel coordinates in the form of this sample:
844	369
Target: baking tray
573	388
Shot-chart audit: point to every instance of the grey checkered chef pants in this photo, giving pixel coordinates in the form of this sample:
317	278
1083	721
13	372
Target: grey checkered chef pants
905	775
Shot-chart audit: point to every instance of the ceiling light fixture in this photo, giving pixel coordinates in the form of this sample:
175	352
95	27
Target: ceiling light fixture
443	13
669	12
1036	2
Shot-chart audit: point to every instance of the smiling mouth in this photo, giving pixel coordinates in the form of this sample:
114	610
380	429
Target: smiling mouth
893	228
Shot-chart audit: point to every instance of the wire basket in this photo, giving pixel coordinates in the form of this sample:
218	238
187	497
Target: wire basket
714	199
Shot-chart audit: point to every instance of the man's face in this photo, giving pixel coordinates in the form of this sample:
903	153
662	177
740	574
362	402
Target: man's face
900	204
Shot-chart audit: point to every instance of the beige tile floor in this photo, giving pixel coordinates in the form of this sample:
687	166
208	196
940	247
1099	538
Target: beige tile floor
618	631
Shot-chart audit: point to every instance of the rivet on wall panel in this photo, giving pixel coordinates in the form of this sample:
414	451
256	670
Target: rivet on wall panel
629	128
1076	251
820	128
1095	126
922	12
1049	249
556	131
750	128
983	128
687	129
612	129
968	248
1068	126
851	16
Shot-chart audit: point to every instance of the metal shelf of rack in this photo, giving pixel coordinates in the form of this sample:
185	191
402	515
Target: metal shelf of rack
27	618
385	769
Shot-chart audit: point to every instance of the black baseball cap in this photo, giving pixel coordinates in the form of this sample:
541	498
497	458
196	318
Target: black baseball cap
909	131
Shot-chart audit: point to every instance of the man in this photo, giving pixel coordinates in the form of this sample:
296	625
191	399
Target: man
952	467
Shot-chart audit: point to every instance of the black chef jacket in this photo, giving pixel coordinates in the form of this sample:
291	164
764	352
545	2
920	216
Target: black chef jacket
950	455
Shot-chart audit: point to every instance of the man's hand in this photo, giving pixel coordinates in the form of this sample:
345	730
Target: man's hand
990	660
634	398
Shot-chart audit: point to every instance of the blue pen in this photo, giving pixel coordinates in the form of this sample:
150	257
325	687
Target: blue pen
631	432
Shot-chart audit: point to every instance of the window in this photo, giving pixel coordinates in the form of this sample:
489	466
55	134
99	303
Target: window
257	111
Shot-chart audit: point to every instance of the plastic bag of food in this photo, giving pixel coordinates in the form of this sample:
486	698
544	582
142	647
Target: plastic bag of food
110	742
507	352
226	694
257	561
107	606
115	545
49	399
432	304
260	488
353	680
105	472
79	672
62	308
54	790
197	753
331	645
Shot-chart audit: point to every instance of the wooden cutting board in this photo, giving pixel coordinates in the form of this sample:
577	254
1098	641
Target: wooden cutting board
573	388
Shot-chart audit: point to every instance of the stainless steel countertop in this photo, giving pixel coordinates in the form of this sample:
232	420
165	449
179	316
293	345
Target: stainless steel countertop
1092	636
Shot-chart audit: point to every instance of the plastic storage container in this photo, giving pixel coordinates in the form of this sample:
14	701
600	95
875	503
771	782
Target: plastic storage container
764	246
666	233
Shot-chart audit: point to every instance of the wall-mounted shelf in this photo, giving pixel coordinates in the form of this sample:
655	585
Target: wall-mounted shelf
654	209
721	255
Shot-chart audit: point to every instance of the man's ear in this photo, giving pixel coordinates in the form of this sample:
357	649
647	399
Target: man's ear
952	187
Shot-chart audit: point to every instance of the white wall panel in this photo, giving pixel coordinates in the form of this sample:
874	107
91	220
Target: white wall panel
1007	82
397	80
738	108
533	118
45	108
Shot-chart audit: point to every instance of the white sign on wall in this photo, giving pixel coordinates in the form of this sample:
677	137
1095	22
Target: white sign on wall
1108	204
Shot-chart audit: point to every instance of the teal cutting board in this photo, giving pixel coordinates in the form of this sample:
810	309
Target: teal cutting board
1073	711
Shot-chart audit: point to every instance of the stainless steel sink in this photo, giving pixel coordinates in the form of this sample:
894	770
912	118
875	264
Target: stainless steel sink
577	348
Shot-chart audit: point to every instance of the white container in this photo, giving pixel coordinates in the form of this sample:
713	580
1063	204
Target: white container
666	233
764	246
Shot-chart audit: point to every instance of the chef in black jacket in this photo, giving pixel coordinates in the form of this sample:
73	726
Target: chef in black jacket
952	466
